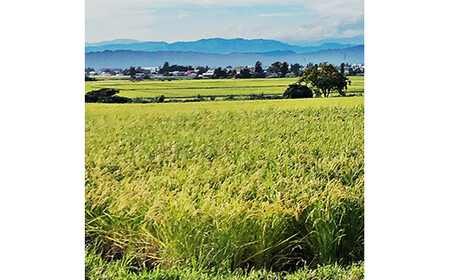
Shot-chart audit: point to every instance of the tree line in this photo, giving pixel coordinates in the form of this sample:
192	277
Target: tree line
276	70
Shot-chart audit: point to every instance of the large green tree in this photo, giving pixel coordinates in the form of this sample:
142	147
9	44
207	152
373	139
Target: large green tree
327	79
295	69
275	68
219	73
132	72
284	69
165	69
259	72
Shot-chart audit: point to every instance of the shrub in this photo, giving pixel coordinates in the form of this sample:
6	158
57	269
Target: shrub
160	99
298	91
105	95
199	98
256	96
89	79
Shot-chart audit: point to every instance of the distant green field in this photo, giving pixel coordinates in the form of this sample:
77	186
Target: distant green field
182	88
109	78
168	109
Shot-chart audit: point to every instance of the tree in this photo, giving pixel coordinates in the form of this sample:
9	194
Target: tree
298	91
219	73
201	70
342	68
245	74
284	69
295	69
351	72
327	79
165	69
132	72
275	68
259	70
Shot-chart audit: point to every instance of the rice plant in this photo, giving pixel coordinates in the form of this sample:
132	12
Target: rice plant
232	186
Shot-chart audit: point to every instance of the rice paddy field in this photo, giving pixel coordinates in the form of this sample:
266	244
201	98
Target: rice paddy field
268	189
187	88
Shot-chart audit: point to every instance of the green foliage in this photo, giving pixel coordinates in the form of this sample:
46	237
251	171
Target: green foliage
275	69
259	72
261	96
130	268
351	72
105	95
245	74
165	69
298	91
219	73
132	72
326	79
295	69
226	186
89	79
284	69
160	99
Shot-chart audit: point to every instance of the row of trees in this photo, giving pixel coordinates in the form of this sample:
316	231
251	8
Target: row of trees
276	70
171	68
351	71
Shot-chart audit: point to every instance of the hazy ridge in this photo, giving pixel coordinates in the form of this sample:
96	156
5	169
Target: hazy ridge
127	58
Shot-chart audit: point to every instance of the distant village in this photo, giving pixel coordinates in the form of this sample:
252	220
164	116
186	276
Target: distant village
276	70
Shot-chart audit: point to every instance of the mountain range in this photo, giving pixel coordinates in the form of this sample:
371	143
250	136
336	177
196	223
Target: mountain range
213	45
112	42
127	58
356	40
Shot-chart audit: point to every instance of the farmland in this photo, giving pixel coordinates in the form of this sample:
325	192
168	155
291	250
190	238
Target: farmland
247	189
220	87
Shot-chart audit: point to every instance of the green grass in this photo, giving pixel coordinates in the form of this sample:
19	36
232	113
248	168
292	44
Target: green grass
168	109
110	78
97	268
181	88
266	185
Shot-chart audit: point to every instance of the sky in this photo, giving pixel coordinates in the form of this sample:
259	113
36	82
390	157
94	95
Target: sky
190	20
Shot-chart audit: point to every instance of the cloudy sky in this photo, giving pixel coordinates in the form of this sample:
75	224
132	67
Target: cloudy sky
189	20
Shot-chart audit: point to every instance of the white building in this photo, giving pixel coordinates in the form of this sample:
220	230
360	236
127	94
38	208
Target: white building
151	69
208	73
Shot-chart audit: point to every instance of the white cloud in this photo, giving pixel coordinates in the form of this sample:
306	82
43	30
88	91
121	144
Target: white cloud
278	15
323	6
302	19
